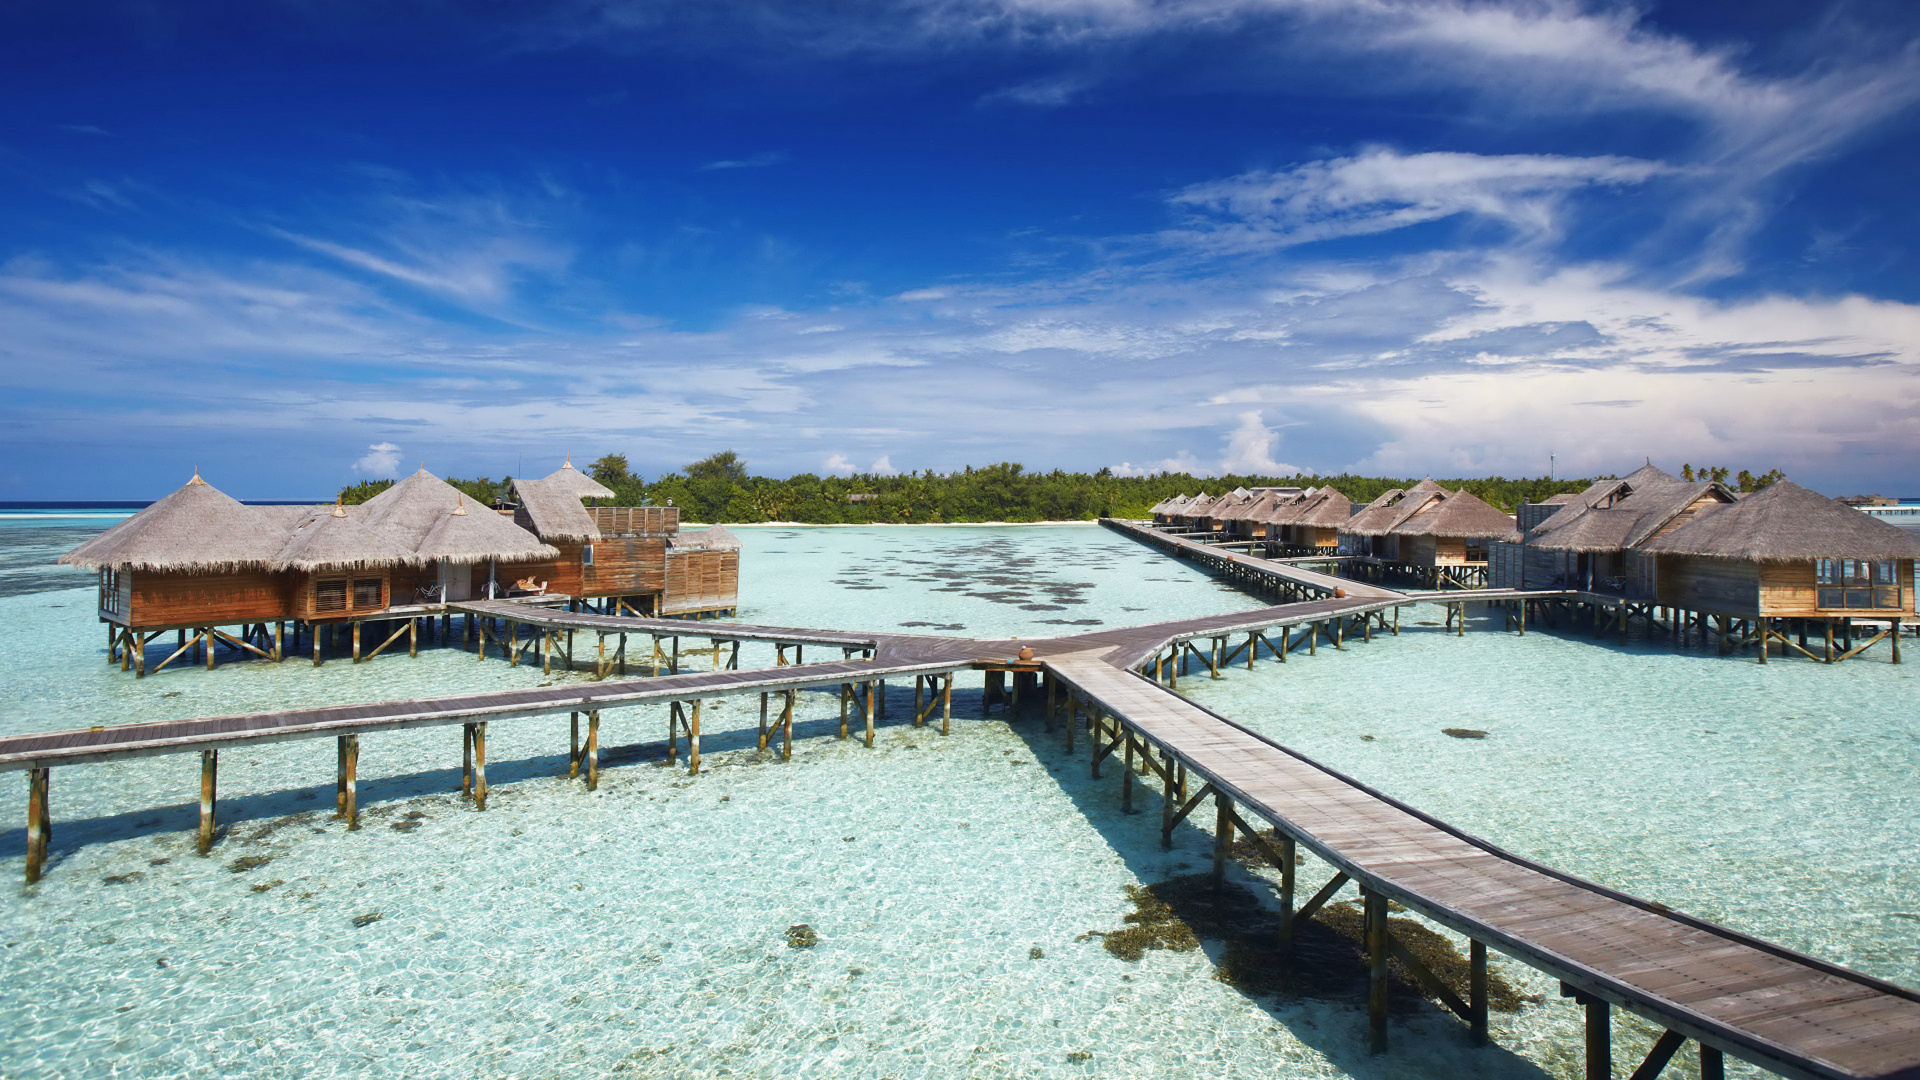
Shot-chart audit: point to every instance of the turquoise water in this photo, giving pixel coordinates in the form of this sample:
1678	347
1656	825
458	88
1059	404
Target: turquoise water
641	929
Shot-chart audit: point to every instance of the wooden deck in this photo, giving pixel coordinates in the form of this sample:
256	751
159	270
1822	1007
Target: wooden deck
1791	1014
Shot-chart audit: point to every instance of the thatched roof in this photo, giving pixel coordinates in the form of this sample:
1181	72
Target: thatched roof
1388	512
330	539
1199	506
1374	518
1627	522
1248	509
197	529
419	520
553	509
712	538
1458	513
1327	508
474	534
576	483
411	508
1785	522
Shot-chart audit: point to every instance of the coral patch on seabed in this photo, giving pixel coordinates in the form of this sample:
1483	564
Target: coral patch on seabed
1327	961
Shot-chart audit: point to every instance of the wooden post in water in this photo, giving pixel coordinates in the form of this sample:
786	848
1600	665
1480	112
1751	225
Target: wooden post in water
1599	1038
946	704
593	749
1287	860
872	694
39	822
763	716
1375	907
1713	1066
693	741
786	727
1126	774
1167	797
1222	836
573	745
1477	991
209	775
479	765
356	643
350	780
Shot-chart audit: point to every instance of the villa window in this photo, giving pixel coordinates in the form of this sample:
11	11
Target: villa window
329	596
366	594
586	555
1862	584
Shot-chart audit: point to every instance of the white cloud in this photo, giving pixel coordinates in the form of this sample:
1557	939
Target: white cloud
1250	446
883	466
763	160
838	465
1382	189
381	462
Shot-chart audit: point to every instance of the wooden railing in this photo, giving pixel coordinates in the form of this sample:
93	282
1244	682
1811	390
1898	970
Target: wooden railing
624	520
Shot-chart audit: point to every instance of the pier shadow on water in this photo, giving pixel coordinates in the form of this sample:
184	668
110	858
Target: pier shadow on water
1179	909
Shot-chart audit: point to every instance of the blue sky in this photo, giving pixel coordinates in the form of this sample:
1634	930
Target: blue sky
298	244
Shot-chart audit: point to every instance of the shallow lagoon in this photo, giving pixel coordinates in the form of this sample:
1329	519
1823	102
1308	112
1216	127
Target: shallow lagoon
641	930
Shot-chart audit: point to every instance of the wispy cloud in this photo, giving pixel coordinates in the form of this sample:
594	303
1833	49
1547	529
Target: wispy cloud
86	129
763	160
1381	189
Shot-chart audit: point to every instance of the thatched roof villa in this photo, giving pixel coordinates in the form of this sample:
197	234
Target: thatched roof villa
199	559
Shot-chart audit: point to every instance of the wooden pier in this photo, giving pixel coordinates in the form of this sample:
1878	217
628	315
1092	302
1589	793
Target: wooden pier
1731	994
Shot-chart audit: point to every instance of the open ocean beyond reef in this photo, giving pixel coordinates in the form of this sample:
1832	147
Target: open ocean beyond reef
642	930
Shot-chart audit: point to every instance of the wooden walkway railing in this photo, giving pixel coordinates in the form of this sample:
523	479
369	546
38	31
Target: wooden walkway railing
1791	1014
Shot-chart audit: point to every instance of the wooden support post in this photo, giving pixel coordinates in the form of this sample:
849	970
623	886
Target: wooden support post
693	741
1222	836
1477	992
1288	859
573	745
350	780
673	733
39	821
466	763
279	638
946	704
209	779
786	727
871	696
1126	774
1713	1065
1896	641
1168	797
1664	1048
918	680
413	638
593	750
1375	906
479	765
762	744
356	644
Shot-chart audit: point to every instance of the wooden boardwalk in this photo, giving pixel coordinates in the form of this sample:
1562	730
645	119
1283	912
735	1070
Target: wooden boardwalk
1792	1014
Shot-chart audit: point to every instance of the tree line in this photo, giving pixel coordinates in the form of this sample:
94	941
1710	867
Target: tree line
720	488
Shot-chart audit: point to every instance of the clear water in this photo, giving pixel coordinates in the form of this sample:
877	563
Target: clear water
641	929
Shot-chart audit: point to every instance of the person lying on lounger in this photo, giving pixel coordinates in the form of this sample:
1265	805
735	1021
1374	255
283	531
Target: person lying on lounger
528	585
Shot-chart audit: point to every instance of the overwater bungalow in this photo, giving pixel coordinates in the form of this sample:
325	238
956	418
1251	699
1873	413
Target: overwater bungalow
1787	559
1311	525
1439	537
1162	511
1593	540
1247	519
1196	512
219	572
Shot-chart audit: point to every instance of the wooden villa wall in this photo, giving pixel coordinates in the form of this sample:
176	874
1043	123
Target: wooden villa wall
157	600
701	580
1506	565
625	566
1721	586
1317	536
